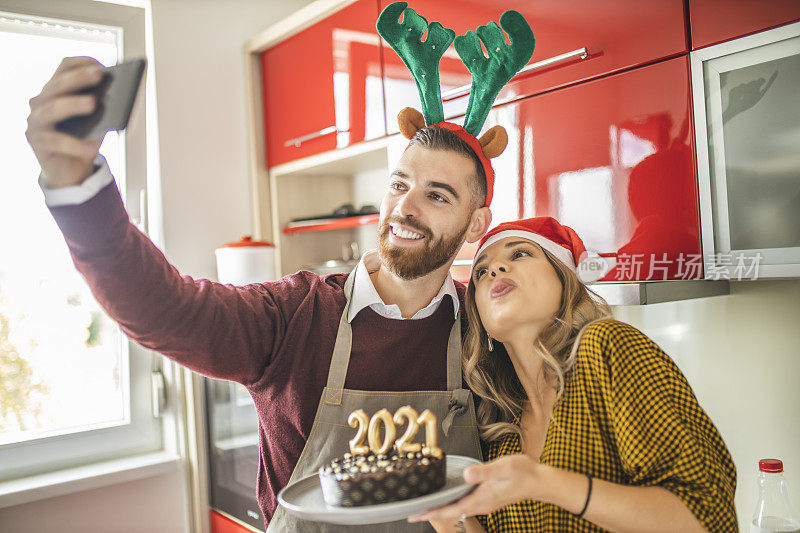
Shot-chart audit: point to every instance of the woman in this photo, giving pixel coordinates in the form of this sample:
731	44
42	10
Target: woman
588	425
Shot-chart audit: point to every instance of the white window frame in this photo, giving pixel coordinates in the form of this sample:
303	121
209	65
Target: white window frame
148	440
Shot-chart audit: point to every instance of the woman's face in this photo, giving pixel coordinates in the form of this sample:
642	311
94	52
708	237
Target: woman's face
515	286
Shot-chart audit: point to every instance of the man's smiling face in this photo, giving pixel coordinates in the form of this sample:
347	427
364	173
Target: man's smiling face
427	212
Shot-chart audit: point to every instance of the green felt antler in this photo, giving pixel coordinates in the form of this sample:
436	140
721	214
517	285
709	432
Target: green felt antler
504	61
421	58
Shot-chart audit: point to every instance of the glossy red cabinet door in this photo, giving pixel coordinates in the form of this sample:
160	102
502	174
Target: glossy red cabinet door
715	21
223	524
618	34
323	87
612	158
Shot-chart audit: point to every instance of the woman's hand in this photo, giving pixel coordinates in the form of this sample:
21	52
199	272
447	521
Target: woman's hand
622	508
507	480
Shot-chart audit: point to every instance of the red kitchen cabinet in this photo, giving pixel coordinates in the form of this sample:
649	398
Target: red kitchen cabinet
611	158
322	87
618	34
715	21
223	524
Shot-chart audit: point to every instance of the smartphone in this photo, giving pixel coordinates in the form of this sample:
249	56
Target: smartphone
115	94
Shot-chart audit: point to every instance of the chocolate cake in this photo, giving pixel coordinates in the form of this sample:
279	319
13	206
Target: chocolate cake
369	479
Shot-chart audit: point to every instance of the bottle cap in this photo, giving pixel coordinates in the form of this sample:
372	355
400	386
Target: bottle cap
773	466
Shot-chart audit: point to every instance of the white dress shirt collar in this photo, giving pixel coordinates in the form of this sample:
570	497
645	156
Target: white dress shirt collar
365	295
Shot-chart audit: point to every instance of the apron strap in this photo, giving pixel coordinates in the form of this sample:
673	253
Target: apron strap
454	355
340	360
341	349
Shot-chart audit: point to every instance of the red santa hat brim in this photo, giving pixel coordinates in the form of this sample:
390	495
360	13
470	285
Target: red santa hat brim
561	241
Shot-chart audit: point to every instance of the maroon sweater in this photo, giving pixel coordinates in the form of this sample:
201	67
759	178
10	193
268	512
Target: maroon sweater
274	338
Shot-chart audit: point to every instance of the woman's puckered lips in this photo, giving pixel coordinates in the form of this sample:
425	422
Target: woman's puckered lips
501	287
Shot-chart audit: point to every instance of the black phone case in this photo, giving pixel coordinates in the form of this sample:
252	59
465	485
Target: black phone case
116	94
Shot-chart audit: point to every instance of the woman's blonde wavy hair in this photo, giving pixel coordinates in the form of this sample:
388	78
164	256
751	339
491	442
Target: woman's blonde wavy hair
491	375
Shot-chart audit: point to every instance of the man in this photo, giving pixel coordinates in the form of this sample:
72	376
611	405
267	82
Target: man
290	342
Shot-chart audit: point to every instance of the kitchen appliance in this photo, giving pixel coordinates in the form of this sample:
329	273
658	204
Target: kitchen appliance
232	451
231	419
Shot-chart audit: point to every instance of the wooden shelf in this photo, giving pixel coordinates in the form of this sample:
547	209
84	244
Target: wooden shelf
327	224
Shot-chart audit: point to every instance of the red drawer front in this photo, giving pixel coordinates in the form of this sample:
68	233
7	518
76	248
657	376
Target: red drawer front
617	33
611	158
715	21
326	76
223	524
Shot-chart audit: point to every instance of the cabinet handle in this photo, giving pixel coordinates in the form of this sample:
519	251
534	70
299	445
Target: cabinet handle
321	133
581	53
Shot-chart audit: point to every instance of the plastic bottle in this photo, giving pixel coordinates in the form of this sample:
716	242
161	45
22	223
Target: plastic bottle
773	513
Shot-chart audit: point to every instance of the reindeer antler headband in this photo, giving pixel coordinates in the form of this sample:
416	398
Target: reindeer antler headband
488	74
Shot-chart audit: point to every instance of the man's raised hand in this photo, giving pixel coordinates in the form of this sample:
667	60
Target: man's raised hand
66	160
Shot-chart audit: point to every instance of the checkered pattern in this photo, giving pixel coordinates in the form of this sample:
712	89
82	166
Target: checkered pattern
627	416
410	481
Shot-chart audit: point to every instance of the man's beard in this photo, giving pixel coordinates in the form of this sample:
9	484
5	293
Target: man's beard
411	264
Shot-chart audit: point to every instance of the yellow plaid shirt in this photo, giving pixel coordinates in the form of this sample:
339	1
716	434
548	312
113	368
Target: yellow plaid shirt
627	416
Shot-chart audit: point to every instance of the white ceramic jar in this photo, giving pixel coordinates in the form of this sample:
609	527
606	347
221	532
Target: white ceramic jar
246	261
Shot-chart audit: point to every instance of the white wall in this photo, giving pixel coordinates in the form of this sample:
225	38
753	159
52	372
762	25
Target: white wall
205	189
741	354
202	123
154	505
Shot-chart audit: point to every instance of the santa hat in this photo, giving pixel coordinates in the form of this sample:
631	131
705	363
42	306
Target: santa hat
547	232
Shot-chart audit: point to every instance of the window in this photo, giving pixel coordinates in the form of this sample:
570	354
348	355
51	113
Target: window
73	389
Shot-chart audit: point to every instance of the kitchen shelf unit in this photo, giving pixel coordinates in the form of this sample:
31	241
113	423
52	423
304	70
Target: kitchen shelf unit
354	175
328	224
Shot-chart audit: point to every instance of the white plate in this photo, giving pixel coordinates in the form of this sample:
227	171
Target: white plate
304	499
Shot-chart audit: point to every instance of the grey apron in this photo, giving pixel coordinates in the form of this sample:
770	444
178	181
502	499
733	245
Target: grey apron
330	433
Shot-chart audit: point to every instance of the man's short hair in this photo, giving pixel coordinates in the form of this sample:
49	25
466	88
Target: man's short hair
435	138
